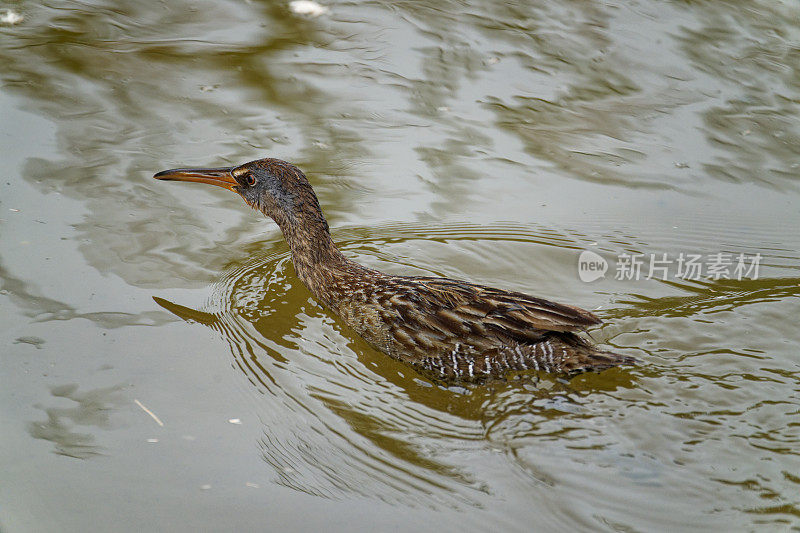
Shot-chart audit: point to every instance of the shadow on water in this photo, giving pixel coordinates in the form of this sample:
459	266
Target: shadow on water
341	418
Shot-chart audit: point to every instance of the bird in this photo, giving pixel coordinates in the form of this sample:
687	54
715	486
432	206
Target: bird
446	329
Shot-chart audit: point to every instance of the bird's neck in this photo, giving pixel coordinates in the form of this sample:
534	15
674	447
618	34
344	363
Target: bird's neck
314	254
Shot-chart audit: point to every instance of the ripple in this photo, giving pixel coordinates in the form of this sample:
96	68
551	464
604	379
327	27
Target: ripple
340	418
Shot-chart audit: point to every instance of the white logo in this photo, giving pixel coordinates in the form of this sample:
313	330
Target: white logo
591	266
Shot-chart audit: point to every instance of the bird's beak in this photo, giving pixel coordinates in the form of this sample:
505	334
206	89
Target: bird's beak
220	177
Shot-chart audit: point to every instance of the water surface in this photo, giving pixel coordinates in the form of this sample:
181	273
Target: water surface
489	142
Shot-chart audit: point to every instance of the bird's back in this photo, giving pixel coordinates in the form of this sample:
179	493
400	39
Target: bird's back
452	329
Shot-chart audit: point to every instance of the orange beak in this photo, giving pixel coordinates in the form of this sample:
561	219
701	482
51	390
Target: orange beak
220	177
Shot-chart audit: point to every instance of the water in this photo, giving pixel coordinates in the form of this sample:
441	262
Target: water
489	142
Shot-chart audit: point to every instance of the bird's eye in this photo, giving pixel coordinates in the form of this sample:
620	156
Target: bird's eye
250	180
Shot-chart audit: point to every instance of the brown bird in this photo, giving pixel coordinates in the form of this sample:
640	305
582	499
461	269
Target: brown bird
447	329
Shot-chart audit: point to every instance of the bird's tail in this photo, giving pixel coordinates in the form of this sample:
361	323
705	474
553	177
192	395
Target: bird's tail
585	357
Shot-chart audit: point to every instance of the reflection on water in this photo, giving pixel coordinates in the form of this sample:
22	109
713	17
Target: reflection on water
562	90
93	409
646	127
753	121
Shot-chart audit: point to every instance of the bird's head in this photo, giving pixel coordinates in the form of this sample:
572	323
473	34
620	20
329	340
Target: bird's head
278	189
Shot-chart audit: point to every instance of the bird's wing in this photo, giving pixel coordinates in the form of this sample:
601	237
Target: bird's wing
460	308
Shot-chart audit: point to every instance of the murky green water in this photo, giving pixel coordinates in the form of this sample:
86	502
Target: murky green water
485	141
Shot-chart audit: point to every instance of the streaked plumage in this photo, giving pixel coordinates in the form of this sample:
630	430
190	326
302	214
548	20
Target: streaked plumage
450	330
